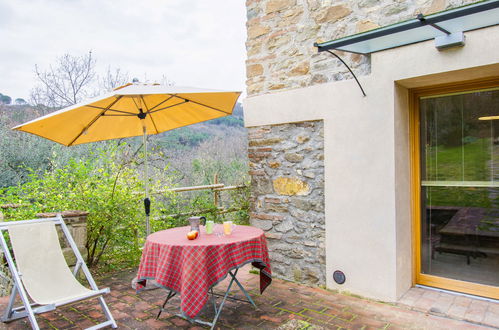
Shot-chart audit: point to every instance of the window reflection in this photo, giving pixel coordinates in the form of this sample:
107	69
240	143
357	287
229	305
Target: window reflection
460	186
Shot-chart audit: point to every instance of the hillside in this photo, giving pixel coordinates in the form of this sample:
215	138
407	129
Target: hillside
192	136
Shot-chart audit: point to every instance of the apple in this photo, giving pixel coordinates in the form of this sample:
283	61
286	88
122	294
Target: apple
193	234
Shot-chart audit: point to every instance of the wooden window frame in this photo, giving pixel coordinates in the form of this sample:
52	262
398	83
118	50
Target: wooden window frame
414	126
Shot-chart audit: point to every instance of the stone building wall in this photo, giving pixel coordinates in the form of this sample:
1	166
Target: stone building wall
281	34
287	202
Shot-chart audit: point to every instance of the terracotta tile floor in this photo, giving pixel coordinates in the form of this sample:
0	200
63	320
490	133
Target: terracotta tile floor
283	305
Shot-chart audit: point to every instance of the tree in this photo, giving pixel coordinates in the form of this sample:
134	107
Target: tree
5	99
113	78
20	101
68	82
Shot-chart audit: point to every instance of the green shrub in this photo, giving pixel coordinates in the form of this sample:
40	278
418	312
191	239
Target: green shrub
105	183
102	184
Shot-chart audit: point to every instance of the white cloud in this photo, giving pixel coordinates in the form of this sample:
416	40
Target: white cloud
192	42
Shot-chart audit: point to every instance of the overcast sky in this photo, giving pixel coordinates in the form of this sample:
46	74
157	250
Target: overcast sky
197	43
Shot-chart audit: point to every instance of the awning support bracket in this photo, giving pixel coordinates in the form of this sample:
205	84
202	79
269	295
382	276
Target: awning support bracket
446	41
353	74
423	21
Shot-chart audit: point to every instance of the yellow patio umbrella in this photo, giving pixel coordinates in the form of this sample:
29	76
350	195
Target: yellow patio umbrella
132	110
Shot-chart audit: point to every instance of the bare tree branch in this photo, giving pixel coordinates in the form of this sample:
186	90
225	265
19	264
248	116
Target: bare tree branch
113	78
66	83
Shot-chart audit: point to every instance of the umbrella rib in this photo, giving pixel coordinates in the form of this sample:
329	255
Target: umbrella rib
94	120
170	106
147	111
144	101
123	112
116	115
204	105
160	103
105	109
136	105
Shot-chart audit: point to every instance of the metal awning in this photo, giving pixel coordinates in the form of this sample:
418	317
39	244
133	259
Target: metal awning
446	28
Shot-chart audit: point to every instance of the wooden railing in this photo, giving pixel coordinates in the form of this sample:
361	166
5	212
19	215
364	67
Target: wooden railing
216	188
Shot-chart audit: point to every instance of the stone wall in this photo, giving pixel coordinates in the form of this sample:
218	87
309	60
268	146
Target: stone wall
281	34
287	202
76	221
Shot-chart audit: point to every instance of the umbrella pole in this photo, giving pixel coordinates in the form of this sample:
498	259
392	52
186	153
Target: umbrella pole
147	201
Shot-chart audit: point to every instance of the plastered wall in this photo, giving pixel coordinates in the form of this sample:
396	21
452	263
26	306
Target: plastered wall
367	154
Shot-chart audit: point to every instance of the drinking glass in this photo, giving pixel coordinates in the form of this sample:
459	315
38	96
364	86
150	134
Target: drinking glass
228	227
209	227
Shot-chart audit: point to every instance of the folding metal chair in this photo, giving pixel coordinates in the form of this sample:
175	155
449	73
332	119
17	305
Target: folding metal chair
39	270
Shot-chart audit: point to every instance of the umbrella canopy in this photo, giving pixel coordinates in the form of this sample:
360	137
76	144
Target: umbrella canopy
132	110
128	110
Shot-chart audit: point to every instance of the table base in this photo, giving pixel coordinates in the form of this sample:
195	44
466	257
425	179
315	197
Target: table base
218	309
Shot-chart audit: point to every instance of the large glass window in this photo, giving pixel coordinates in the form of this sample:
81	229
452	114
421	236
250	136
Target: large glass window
460	186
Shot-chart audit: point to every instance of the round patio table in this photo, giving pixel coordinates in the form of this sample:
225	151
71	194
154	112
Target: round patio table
192	267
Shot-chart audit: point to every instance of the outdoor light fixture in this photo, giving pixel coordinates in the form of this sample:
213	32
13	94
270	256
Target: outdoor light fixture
450	40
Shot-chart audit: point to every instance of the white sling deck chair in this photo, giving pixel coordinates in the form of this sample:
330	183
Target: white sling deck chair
39	270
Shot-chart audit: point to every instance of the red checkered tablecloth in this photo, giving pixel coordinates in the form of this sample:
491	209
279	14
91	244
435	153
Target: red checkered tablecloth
192	267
